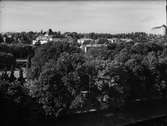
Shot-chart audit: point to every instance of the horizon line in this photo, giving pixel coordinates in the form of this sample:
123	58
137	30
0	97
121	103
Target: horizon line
78	0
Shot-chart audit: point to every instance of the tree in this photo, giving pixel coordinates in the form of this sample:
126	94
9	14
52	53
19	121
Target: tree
7	60
99	53
50	32
1	38
136	82
152	74
49	51
137	48
102	41
58	83
123	56
113	81
151	60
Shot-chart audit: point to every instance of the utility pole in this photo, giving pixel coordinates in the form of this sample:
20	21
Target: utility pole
166	19
166	12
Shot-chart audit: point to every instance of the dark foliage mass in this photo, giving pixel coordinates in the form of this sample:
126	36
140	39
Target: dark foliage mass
17	107
63	80
111	75
18	50
7	60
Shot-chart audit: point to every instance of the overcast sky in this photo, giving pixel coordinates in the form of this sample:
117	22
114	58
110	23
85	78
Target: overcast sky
82	0
83	16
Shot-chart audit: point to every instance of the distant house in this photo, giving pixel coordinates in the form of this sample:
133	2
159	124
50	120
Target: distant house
83	40
87	44
126	40
41	39
116	40
44	37
90	43
85	48
113	40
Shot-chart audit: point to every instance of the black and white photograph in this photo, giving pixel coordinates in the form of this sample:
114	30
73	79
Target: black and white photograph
83	62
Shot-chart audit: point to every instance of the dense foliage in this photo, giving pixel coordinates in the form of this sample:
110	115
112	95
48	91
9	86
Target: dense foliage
7	60
17	107
18	50
113	75
64	80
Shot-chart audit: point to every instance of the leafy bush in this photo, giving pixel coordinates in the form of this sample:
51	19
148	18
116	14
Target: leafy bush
18	50
17	105
7	60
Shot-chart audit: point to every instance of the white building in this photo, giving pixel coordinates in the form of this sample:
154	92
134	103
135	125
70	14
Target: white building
87	47
116	40
87	43
43	39
113	40
126	40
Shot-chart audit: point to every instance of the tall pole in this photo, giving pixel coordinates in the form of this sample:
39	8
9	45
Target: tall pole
166	20
166	13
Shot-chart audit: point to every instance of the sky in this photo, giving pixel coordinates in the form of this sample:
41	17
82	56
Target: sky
82	16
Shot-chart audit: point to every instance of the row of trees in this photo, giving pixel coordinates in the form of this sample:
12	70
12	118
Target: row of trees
18	50
22	37
28	37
